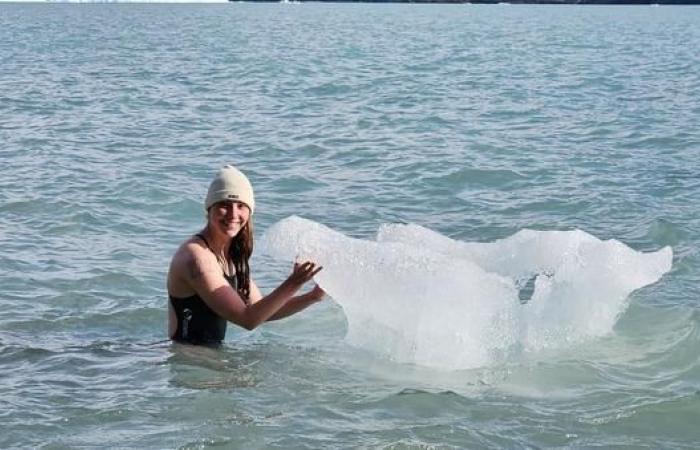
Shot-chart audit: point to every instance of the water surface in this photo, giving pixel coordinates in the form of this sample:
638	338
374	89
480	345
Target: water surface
473	121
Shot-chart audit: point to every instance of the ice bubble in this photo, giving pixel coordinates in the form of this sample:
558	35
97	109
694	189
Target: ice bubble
416	296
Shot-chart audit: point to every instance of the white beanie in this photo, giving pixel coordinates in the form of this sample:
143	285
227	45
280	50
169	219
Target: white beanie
230	184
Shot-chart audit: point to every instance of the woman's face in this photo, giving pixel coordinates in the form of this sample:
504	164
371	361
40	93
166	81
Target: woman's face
229	217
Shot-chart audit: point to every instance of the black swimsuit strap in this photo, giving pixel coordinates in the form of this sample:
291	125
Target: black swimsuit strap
231	267
201	236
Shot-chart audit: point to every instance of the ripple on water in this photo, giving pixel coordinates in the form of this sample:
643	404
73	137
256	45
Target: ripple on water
474	121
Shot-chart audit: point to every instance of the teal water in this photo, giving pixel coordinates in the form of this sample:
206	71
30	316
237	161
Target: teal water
475	122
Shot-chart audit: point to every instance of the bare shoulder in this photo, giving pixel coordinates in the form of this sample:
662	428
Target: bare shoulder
189	264
191	259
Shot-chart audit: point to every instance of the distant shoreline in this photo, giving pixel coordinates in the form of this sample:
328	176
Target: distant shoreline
494	2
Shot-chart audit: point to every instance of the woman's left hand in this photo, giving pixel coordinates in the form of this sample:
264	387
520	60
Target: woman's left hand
316	294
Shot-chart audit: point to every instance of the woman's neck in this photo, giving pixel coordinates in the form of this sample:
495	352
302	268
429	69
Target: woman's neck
219	244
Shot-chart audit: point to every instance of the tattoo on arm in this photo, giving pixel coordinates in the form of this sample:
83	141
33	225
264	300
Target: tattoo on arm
194	269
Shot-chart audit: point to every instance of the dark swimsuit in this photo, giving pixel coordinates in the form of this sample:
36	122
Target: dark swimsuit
197	323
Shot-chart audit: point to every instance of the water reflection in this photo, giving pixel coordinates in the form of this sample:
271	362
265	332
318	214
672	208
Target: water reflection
220	367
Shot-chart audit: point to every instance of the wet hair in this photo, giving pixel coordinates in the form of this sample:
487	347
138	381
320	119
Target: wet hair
239	253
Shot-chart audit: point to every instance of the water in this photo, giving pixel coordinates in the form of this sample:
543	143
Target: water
470	123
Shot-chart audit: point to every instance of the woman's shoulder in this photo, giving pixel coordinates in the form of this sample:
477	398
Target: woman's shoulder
191	260
186	257
191	249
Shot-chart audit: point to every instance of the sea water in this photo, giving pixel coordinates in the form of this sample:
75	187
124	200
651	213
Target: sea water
504	199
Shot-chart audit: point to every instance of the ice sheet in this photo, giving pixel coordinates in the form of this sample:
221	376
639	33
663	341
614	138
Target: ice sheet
416	296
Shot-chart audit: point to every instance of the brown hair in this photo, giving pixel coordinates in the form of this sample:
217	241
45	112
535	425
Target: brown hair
239	253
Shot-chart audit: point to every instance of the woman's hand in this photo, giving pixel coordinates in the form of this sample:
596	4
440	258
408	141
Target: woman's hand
301	273
316	294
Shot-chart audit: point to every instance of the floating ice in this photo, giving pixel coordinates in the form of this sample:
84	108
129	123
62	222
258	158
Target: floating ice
417	296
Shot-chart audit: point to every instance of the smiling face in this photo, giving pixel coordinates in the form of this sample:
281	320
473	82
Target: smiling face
228	217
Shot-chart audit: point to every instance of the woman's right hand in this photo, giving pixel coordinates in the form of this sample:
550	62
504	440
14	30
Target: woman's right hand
303	272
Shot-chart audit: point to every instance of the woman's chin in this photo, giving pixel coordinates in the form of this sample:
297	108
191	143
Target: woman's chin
232	232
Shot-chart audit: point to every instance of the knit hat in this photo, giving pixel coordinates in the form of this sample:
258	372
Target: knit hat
230	184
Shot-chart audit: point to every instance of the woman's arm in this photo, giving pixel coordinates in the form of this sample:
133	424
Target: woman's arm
206	278
299	303
296	304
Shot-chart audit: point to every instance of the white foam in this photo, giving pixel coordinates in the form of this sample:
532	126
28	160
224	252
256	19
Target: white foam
417	296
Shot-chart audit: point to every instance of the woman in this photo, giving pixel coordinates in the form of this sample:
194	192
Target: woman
209	279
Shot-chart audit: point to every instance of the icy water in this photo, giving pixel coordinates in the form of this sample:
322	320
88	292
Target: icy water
539	284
